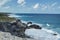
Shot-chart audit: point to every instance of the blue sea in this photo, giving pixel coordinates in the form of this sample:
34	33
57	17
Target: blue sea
48	21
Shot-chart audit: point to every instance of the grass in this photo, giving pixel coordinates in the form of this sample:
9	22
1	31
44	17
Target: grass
4	18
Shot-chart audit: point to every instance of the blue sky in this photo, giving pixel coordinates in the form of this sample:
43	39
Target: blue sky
30	6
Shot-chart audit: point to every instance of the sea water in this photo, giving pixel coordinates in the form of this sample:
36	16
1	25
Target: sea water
47	21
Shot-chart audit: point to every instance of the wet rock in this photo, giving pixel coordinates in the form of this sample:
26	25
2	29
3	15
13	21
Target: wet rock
4	26
1	27
35	26
29	23
18	30
55	34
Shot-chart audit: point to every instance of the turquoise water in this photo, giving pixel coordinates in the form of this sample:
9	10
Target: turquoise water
49	21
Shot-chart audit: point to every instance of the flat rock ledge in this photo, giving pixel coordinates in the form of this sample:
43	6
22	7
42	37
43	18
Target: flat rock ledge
8	36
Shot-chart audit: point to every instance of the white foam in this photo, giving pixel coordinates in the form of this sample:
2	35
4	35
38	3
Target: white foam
58	36
47	30
24	21
40	34
43	33
47	24
38	24
26	16
32	23
12	15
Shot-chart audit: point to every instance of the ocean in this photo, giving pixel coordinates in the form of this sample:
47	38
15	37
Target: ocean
49	22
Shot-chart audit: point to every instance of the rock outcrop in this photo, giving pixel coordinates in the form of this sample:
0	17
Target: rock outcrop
17	28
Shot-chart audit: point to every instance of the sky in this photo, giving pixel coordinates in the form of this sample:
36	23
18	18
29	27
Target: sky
30	6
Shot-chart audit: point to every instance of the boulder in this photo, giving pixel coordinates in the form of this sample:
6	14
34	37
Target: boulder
35	26
29	23
1	27
4	26
55	34
18	30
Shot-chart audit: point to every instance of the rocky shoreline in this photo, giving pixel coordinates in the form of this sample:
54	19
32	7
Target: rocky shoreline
17	28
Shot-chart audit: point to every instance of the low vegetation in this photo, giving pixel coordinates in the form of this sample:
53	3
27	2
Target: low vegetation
4	18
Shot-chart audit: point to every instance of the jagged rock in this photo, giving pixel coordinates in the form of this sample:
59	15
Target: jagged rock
17	28
4	26
25	25
1	27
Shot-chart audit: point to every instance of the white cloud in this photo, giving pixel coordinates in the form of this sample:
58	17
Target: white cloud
59	7
3	2
21	2
36	6
44	8
53	4
49	7
7	7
